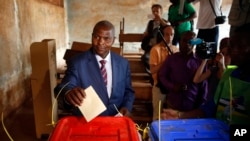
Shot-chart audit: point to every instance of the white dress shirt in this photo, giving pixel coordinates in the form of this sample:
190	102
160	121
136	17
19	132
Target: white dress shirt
206	15
108	67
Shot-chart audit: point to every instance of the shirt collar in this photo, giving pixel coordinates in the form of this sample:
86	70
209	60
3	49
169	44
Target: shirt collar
107	58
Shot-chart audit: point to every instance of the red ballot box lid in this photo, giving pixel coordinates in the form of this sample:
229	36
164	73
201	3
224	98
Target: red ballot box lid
74	128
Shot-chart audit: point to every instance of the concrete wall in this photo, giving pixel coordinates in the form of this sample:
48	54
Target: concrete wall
83	14
22	23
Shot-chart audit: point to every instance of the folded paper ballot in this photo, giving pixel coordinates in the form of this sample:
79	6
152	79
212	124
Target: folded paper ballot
92	105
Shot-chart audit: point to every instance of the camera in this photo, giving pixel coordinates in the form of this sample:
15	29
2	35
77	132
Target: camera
204	50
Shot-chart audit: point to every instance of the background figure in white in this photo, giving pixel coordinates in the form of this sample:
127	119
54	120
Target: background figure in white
207	29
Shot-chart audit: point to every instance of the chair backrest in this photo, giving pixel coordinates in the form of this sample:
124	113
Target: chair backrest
78	47
128	37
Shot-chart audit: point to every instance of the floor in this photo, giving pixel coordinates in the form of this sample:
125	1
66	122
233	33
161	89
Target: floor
20	125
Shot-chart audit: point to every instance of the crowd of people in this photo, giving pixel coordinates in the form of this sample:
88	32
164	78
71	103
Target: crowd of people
196	87
200	87
215	87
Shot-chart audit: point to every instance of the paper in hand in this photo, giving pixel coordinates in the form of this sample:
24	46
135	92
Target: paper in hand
92	105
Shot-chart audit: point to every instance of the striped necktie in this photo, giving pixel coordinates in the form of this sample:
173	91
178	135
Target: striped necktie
104	71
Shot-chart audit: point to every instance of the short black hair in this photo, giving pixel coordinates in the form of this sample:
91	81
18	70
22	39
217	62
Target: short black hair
106	25
157	6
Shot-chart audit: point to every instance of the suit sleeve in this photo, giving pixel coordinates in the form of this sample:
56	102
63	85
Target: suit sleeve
129	92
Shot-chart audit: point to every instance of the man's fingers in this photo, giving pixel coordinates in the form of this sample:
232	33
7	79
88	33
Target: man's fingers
76	100
72	99
76	96
80	95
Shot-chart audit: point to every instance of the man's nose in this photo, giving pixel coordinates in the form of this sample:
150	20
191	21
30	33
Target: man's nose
101	40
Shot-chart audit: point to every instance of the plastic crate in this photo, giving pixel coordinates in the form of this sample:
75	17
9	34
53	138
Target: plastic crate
99	129
189	129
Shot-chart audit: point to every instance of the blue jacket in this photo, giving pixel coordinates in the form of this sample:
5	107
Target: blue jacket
83	71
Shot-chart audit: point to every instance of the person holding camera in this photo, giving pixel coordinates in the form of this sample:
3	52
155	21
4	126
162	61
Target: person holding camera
176	75
216	67
232	99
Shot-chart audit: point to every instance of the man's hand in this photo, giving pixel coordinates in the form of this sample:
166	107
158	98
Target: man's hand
75	96
124	111
157	17
220	58
169	114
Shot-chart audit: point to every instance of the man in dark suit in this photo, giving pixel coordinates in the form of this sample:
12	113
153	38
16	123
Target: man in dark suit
83	71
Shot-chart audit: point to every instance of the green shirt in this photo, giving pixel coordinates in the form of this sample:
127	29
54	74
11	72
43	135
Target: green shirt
233	88
174	16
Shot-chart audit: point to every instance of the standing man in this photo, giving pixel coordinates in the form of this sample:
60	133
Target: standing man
84	70
181	14
151	35
177	73
158	54
207	29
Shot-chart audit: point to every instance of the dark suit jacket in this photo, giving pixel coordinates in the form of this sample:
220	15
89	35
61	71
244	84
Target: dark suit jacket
83	71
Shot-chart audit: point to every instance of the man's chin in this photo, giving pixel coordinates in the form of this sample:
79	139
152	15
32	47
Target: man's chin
103	54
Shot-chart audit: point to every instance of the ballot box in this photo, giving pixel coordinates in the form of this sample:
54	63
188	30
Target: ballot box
189	129
74	128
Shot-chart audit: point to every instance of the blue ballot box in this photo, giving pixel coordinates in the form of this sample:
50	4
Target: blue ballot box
189	129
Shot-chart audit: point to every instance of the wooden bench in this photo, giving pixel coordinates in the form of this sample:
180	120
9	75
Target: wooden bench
128	37
142	108
78	47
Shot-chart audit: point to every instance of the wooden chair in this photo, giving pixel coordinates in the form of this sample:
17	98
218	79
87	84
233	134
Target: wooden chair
78	47
129	38
140	78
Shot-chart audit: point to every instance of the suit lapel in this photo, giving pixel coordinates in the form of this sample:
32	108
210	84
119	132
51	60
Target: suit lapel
96	77
115	70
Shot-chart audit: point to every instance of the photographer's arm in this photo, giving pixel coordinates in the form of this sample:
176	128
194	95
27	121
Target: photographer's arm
221	64
200	75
